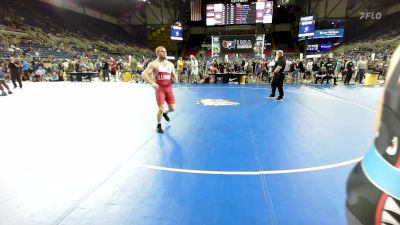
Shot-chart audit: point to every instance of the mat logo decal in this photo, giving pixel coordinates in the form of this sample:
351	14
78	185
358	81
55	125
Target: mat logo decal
217	102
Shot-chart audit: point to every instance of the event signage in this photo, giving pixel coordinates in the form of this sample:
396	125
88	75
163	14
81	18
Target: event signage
328	33
312	48
306	26
239	13
176	33
237	44
326	47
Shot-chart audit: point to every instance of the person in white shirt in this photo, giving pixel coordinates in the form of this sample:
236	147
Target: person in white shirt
65	67
194	69
362	67
309	66
271	65
40	73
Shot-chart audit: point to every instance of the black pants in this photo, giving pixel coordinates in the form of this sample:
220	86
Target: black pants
106	74
277	82
328	78
348	77
15	77
361	74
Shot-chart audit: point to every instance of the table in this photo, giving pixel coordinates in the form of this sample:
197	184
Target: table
79	76
228	77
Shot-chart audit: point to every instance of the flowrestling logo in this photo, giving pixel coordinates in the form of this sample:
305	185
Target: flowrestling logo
370	15
217	102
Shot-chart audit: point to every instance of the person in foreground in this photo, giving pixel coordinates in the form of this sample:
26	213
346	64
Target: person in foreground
163	71
373	187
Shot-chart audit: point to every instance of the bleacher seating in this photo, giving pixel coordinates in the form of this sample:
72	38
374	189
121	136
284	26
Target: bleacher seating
381	37
57	32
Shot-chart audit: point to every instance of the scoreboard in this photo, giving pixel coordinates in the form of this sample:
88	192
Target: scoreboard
239	14
243	14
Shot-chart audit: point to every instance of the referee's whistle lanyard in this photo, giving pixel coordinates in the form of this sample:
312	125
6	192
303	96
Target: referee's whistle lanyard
382	172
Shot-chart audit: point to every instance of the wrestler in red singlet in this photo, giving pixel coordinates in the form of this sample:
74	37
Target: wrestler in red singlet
163	79
164	71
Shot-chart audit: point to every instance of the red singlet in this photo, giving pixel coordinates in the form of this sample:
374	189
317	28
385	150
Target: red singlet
163	79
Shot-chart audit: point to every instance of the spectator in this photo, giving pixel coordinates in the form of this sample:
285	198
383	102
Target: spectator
25	69
349	71
106	71
15	71
3	82
362	67
39	74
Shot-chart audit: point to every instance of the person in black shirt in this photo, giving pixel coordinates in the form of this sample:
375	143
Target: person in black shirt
15	72
242	65
349	72
106	70
302	70
320	75
329	72
315	69
278	76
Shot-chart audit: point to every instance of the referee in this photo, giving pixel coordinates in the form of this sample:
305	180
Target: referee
278	76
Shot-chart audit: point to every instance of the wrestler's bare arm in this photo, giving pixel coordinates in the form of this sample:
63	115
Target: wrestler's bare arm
146	75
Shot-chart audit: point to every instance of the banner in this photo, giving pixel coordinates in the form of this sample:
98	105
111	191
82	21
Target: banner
259	46
215	46
306	18
237	44
312	48
326	47
328	33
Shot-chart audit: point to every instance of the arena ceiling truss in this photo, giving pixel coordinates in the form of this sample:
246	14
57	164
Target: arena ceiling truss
141	12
